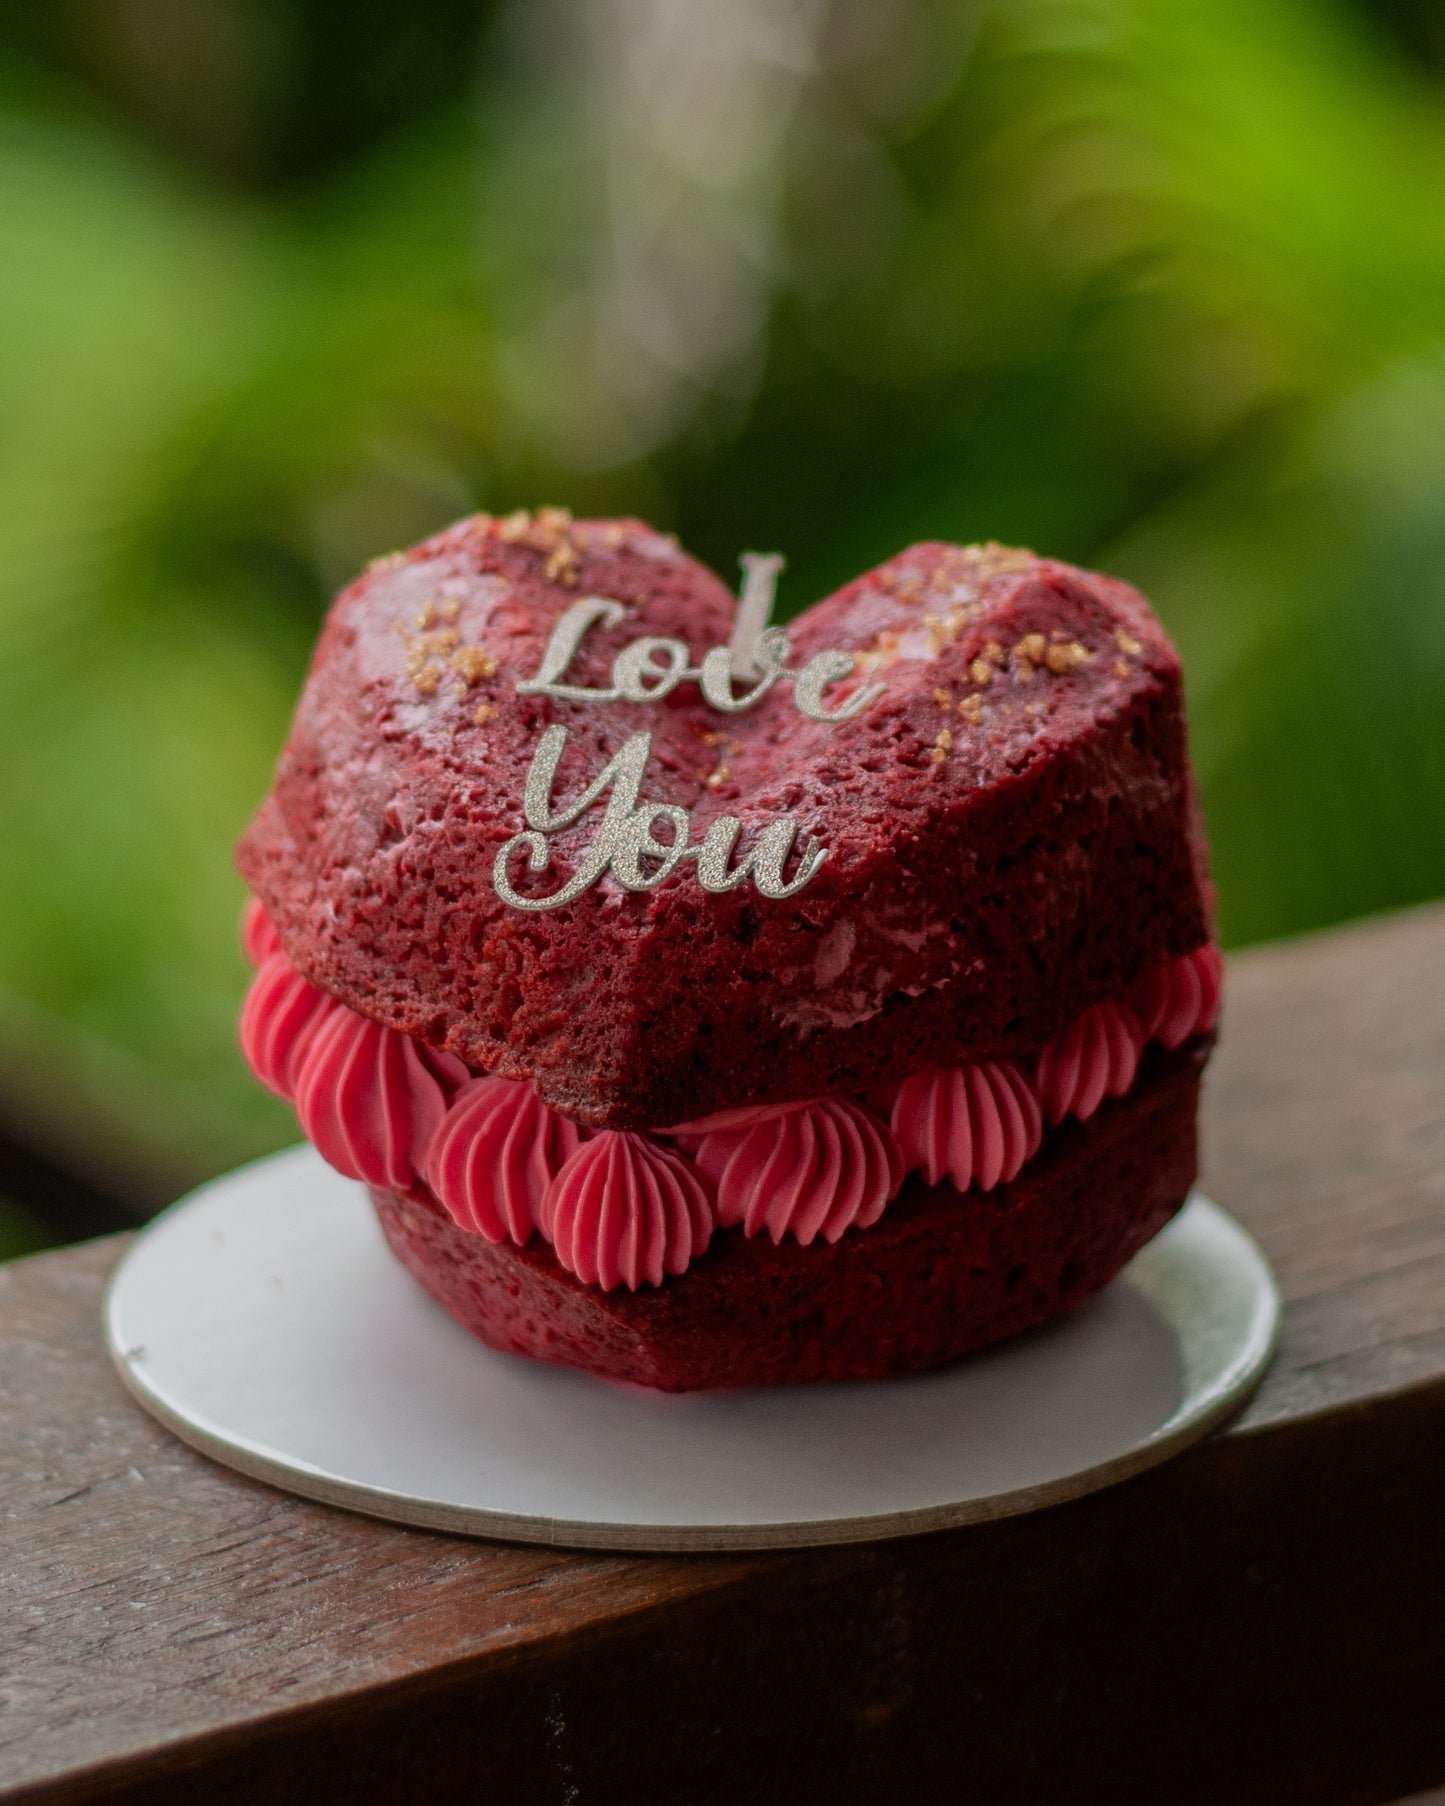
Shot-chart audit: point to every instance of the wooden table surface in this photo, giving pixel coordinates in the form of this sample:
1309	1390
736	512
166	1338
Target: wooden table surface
1260	1620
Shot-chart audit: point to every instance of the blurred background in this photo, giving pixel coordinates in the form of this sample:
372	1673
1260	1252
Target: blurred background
1154	285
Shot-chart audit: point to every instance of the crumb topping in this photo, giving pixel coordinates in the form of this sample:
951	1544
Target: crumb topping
561	565
1065	655
472	664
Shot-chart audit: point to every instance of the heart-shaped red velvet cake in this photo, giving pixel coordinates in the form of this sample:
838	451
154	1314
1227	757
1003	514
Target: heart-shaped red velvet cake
709	1006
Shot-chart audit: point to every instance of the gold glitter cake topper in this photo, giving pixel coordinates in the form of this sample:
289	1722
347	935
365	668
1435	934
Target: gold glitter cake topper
645	671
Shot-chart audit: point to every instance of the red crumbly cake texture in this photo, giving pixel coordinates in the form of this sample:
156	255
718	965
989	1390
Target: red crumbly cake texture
1010	828
942	1272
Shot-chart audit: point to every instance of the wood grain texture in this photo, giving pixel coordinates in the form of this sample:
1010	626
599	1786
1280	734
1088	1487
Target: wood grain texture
1258	1621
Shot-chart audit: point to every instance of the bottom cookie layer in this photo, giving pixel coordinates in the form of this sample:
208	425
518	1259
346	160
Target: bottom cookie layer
942	1273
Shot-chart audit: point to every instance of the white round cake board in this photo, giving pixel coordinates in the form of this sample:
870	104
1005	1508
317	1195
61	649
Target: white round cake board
265	1321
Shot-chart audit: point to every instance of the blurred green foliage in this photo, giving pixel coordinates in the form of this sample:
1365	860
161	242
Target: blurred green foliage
21	1232
1153	284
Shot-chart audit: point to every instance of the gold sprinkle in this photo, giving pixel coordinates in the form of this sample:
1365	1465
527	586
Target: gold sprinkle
971	708
941	746
993	560
514	527
388	561
1062	659
938	633
561	566
1121	667
715	779
942	698
1127	643
981	671
993	652
483	713
614	534
554	522
1033	708
471	664
423	653
439	608
1031	646
882	652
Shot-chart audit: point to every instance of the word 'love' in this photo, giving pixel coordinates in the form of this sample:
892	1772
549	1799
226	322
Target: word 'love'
652	667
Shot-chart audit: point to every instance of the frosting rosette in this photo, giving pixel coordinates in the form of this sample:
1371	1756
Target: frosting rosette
1095	1057
279	1020
975	1125
1181	997
816	1169
497	1151
259	940
626	1211
370	1099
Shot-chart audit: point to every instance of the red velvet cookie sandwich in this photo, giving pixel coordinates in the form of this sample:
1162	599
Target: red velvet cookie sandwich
711	1004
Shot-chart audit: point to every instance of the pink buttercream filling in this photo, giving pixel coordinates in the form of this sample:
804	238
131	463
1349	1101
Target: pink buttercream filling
818	1170
371	1100
621	1208
1095	1057
626	1210
975	1125
259	940
495	1157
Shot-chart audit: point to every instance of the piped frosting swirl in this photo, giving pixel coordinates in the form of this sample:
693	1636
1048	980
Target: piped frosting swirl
975	1124
1181	997
259	940
370	1099
497	1151
1095	1057
279	1019
818	1169
625	1210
